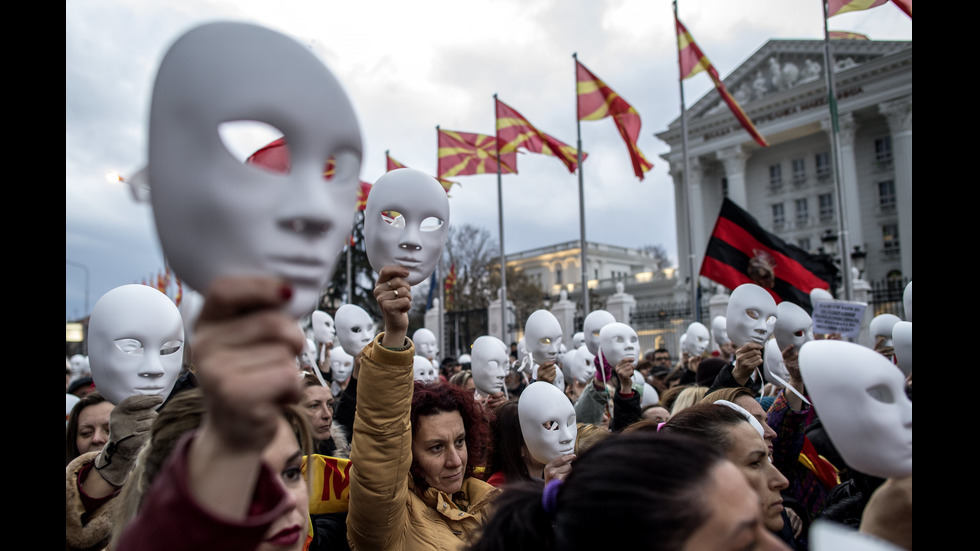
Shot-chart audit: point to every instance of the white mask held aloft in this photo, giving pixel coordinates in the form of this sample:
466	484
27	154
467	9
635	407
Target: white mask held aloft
135	343
425	343
354	328
751	315
423	370
719	331
698	339
217	216
860	398
594	323
341	364
324	331
793	326
542	336
580	364
547	422
489	362
406	222
578	339
618	341
881	326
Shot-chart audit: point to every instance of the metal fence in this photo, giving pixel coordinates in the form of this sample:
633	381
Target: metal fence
887	296
661	325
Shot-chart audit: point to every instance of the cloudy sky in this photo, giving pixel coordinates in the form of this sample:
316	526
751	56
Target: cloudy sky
409	66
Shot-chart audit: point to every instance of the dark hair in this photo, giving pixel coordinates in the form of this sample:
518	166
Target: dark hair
507	443
435	398
708	422
71	432
650	480
459	379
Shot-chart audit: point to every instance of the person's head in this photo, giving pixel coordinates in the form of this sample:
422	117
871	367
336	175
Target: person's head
730	432
449	436
656	413
284	455
745	398
508	452
688	397
464	380
88	426
661	358
317	402
679	490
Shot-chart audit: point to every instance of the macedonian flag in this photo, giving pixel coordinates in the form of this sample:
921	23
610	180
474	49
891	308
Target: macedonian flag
514	132
465	154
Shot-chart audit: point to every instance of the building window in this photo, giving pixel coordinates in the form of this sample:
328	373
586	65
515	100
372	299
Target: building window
802	213
883	153
822	161
826	201
775	177
799	172
889	239
778	216
804	243
596	273
886	197
558	275
724	187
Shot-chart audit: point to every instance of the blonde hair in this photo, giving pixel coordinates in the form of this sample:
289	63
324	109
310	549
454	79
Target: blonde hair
688	397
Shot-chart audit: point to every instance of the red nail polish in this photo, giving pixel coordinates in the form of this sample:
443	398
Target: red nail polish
285	291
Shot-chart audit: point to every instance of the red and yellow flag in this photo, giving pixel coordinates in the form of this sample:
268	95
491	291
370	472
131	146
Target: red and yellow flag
693	61
465	154
392	164
362	194
180	292
598	101
514	131
837	7
847	35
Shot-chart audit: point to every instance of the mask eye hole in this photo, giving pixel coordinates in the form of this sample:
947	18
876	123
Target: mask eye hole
130	346
595	333
550	425
545	340
170	347
393	218
620	340
771	320
256	144
752	313
882	394
492	364
343	167
798	333
431	223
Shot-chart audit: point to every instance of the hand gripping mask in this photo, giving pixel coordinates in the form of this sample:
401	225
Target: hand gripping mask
793	326
135	343
698	339
406	221
490	362
218	216
860	397
751	315
618	341
425	343
593	323
547	422
354	328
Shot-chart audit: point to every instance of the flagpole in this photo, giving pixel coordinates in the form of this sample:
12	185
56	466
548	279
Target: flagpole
500	223
581	200
687	192
842	233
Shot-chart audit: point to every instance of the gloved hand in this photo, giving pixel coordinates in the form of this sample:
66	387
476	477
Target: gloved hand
129	428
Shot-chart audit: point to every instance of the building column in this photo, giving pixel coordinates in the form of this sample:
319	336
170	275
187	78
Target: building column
899	115
733	158
681	218
849	180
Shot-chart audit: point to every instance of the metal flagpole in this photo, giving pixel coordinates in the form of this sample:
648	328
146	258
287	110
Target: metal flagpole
835	147
687	192
581	200
500	222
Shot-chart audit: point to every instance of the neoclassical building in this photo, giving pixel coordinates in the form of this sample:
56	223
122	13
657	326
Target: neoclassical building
789	186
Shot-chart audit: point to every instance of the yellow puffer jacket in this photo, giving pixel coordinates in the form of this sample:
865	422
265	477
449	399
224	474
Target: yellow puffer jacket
386	511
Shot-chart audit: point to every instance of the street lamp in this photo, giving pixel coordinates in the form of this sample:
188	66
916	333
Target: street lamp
858	257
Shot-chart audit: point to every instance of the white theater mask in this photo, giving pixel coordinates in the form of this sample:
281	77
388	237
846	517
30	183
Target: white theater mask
406	222
698	339
425	343
907	301
881	326
217	216
489	361
324	331
354	328
578	339
618	342
860	398
423	370
583	368
719	331
135	343
751	315
793	326
772	362
819	295
547	422
594	323
341	364
542	336
902	339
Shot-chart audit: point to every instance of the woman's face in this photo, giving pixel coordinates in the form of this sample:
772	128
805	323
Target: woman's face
284	457
439	450
318	405
734	522
749	453
755	410
93	427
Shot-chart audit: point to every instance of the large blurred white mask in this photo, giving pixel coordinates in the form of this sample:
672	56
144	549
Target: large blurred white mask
354	328
751	315
819	295
618	341
698	339
217	216
423	370
324	331
793	326
547	422
860	397
902	339
594	323
907	301
406	221
719	330
425	343
341	364
489	361
135	343
542	336
881	326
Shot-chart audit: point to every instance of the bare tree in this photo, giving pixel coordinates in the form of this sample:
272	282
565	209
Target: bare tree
661	259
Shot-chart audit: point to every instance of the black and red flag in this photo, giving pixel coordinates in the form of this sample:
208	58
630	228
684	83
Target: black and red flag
740	251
